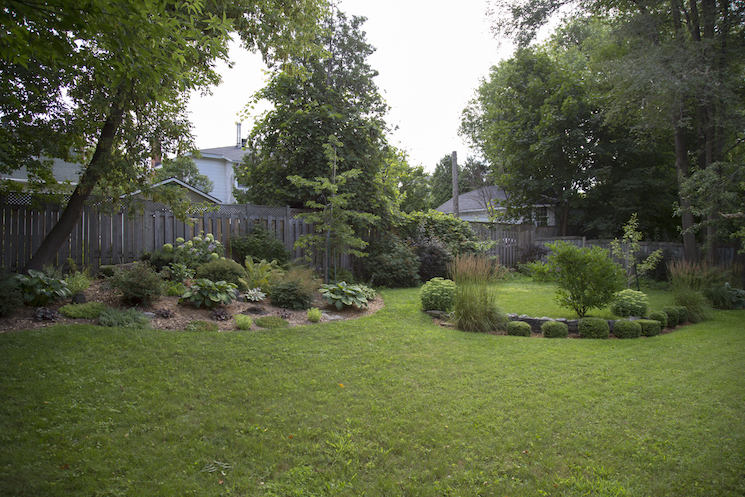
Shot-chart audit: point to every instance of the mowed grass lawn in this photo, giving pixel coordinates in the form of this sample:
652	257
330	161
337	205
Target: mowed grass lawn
385	405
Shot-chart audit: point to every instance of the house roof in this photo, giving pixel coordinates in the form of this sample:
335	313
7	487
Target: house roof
232	153
195	194
475	200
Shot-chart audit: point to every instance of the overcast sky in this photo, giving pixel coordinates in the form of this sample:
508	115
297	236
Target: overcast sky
430	56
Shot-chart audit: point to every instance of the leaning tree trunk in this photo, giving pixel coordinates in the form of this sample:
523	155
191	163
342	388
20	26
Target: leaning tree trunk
59	234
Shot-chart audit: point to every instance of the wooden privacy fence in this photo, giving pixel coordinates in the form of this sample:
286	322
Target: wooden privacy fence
102	238
510	240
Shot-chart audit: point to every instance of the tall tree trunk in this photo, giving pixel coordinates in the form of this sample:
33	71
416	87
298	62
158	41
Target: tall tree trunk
681	165
60	232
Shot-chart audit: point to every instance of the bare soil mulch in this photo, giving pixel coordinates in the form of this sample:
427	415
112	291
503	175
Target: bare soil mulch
23	318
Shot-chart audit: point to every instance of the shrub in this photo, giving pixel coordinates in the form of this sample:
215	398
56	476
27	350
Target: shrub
139	284
340	274
629	303
456	234
107	271
197	251
540	271
78	282
38	289
89	310
295	290
392	263
555	329
725	297
341	294
201	326
438	294
243	322
159	259
672	316
518	329
475	303
179	272
224	270
593	328
259	244
433	255
174	288
260	274
130	318
271	322
10	295
587	278
627	329
660	317
682	314
314	315
210	293
650	327
695	302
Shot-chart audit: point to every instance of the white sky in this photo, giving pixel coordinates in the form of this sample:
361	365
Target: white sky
430	57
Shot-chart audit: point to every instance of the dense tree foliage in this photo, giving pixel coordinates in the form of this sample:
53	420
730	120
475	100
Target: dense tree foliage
98	82
184	169
333	96
473	174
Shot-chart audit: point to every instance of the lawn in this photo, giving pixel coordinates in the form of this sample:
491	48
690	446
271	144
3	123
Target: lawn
384	405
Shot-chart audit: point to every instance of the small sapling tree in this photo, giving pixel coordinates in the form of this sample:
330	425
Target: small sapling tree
627	249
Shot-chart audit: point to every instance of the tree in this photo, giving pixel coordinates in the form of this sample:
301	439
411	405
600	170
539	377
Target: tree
405	186
184	169
679	66
333	95
66	76
471	176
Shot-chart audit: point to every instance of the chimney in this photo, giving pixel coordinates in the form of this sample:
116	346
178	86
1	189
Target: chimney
238	142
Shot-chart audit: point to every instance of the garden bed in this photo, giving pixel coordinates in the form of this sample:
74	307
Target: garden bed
23	318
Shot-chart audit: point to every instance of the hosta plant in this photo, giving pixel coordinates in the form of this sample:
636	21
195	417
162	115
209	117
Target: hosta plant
38	289
209	293
343	295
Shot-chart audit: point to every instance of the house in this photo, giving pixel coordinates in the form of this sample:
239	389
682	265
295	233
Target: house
217	164
196	196
63	172
476	206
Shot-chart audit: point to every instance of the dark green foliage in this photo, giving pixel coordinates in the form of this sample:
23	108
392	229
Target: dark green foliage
139	284
271	322
38	289
89	310
434	257
209	293
454	233
518	329
587	277
259	244
593	328
106	271
555	329
694	301
438	294
629	303
672	316
660	317
650	327
10	295
627	329
295	289
392	263
682	314
343	295
224	270
340	274
164	313
130	318
726	297
159	259
201	326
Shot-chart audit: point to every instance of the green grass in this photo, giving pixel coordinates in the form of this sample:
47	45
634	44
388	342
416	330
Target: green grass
384	405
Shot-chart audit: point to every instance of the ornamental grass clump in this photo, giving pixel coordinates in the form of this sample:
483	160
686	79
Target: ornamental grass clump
475	304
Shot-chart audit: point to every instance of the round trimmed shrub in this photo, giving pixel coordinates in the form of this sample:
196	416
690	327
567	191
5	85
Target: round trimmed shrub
650	327
224	270
672	316
518	329
682	314
630	303
438	294
139	284
659	316
627	329
555	329
593	328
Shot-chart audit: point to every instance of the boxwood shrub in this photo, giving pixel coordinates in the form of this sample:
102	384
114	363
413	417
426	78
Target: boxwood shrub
518	329
672	316
438	294
682	314
630	303
593	328
659	316
555	329
627	329
650	327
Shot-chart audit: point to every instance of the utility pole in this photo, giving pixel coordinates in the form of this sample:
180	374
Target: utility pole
456	207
